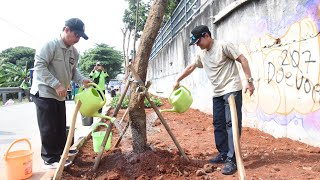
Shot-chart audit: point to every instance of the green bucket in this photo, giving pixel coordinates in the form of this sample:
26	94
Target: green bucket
97	138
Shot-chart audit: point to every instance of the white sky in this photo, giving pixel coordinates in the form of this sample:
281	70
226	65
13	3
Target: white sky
30	22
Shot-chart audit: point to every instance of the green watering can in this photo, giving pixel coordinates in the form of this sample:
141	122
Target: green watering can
92	99
180	99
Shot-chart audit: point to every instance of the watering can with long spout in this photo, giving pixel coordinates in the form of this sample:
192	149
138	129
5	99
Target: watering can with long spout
180	99
92	99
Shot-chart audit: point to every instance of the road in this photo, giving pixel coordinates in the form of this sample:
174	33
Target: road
20	121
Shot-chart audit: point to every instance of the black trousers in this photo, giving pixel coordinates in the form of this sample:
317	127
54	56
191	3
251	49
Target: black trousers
51	115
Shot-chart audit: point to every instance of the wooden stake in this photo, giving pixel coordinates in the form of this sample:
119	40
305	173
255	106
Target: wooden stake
166	126
137	78
115	112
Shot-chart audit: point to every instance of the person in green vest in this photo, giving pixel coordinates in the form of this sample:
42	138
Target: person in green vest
25	85
99	75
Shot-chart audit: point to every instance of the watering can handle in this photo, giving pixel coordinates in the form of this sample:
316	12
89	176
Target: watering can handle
98	89
90	84
182	87
186	89
98	124
14	142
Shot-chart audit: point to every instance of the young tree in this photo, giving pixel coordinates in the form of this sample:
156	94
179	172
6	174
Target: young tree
134	22
136	109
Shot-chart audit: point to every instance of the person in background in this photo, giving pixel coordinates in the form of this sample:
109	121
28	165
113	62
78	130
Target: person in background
25	85
54	67
99	75
218	59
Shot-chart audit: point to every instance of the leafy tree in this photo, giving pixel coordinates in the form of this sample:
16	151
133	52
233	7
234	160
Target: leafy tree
110	58
18	56
12	75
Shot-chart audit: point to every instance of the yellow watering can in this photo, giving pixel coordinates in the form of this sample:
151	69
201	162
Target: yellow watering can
180	99
92	99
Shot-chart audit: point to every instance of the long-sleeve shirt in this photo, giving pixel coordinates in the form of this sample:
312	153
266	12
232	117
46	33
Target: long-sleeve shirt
55	64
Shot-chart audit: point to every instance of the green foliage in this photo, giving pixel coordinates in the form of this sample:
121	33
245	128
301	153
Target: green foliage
19	56
157	101
129	17
125	102
12	75
172	4
110	58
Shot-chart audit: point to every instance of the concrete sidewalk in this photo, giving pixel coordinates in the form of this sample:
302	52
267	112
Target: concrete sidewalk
19	121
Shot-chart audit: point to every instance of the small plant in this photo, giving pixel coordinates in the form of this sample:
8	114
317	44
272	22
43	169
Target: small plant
115	100
157	101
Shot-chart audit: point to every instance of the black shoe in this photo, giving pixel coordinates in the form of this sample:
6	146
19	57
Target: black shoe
230	167
220	158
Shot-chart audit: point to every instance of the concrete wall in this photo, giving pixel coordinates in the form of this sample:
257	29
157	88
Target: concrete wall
280	40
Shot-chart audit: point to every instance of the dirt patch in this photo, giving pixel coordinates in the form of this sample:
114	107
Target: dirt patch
265	157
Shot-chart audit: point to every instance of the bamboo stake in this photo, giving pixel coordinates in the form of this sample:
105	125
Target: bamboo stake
115	112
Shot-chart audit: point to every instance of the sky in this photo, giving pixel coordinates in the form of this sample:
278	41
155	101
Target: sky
31	22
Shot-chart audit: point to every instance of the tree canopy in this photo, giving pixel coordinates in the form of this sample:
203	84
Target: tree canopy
110	58
18	56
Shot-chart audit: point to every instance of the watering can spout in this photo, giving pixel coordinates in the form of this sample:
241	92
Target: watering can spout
168	110
103	116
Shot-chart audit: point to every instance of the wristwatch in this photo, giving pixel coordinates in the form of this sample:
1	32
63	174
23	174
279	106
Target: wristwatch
250	80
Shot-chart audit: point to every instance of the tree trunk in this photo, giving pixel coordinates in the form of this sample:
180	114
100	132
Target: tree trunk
135	30
125	55
127	58
136	109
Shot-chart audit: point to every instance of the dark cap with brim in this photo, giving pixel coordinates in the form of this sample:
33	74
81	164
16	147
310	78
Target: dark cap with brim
197	33
77	25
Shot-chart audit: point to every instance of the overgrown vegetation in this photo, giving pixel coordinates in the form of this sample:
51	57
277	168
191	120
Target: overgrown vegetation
15	64
125	102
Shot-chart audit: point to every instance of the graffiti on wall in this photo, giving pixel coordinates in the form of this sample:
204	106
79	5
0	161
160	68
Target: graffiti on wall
287	76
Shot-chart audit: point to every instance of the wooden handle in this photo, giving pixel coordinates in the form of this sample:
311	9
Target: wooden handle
236	139
58	173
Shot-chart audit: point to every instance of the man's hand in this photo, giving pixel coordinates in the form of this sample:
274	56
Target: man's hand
250	87
61	91
85	83
176	85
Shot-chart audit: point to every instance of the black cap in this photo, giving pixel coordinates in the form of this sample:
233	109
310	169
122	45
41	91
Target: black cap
197	33
77	25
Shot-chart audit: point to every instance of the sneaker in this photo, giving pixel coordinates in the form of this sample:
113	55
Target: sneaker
55	165
220	158
73	152
230	167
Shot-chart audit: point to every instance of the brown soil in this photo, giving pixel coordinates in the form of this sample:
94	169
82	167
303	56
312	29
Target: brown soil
264	156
